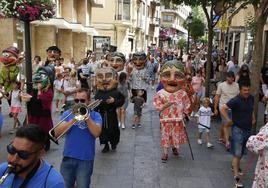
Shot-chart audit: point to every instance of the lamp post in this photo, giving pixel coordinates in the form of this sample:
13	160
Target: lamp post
189	20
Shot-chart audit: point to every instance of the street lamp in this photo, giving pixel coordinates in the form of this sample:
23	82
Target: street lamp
189	20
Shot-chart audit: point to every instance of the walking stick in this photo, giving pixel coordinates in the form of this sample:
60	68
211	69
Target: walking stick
188	140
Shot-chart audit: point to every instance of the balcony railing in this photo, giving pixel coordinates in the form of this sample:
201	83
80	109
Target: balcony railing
122	17
155	21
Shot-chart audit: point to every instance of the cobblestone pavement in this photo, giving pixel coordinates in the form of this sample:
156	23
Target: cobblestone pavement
136	162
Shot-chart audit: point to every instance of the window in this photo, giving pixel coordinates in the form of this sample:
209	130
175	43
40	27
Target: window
123	10
167	18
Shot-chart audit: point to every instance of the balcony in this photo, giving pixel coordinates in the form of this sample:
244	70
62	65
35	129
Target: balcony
154	21
123	20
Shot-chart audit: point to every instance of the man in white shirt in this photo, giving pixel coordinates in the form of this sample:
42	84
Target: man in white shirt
230	63
225	91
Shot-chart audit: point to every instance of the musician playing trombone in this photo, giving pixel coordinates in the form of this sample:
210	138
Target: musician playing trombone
79	148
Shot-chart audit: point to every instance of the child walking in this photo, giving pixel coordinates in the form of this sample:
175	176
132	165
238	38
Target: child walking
58	92
15	107
138	105
204	118
124	88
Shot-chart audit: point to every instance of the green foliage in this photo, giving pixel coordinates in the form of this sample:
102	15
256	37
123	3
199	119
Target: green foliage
251	24
181	43
197	28
204	39
197	12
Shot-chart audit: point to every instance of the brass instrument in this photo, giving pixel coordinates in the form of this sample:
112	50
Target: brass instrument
80	112
9	170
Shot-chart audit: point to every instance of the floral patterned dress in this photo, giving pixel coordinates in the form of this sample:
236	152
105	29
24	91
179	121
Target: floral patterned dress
259	144
171	119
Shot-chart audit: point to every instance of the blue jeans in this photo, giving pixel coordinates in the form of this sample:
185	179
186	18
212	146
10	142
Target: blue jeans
239	140
74	170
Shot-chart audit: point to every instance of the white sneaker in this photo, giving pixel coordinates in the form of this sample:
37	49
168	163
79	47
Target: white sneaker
119	125
199	141
123	126
152	87
209	145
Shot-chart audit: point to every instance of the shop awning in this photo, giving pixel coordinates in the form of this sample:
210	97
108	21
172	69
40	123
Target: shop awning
61	23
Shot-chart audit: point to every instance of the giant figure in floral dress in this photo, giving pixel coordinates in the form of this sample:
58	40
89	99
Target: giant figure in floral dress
259	144
173	104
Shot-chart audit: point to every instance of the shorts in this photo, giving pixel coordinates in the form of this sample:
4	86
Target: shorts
223	120
137	112
238	141
203	130
58	96
15	109
199	93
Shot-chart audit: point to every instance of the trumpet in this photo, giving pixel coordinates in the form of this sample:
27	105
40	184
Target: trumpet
80	112
9	170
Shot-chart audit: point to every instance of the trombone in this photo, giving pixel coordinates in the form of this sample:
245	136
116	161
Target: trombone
80	112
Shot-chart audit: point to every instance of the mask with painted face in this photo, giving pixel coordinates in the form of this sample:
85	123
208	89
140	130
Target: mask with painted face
45	76
10	56
172	76
117	61
106	79
53	53
139	60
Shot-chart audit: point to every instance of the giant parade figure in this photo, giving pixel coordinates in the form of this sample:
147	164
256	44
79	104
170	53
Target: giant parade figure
106	82
139	75
173	104
53	53
10	69
40	105
117	61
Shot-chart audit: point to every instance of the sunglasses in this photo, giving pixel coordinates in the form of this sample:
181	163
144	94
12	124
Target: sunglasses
22	154
80	100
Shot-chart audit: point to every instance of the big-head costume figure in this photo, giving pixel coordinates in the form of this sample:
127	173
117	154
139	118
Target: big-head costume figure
106	82
139	76
117	61
173	103
40	106
9	67
53	53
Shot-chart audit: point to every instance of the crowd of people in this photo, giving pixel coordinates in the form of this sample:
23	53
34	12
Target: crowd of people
114	81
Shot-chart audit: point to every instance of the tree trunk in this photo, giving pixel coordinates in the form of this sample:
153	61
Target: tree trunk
257	64
209	53
181	52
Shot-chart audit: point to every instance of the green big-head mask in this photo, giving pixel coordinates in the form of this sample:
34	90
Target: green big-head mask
45	76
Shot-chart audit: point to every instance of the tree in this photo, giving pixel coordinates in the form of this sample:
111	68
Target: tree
181	45
213	10
197	29
260	16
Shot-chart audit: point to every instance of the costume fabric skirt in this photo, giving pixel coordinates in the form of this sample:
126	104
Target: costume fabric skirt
172	134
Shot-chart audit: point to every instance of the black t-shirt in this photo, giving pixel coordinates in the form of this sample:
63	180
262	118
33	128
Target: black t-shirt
264	72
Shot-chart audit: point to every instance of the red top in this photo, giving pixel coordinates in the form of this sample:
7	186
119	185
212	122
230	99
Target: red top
45	122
